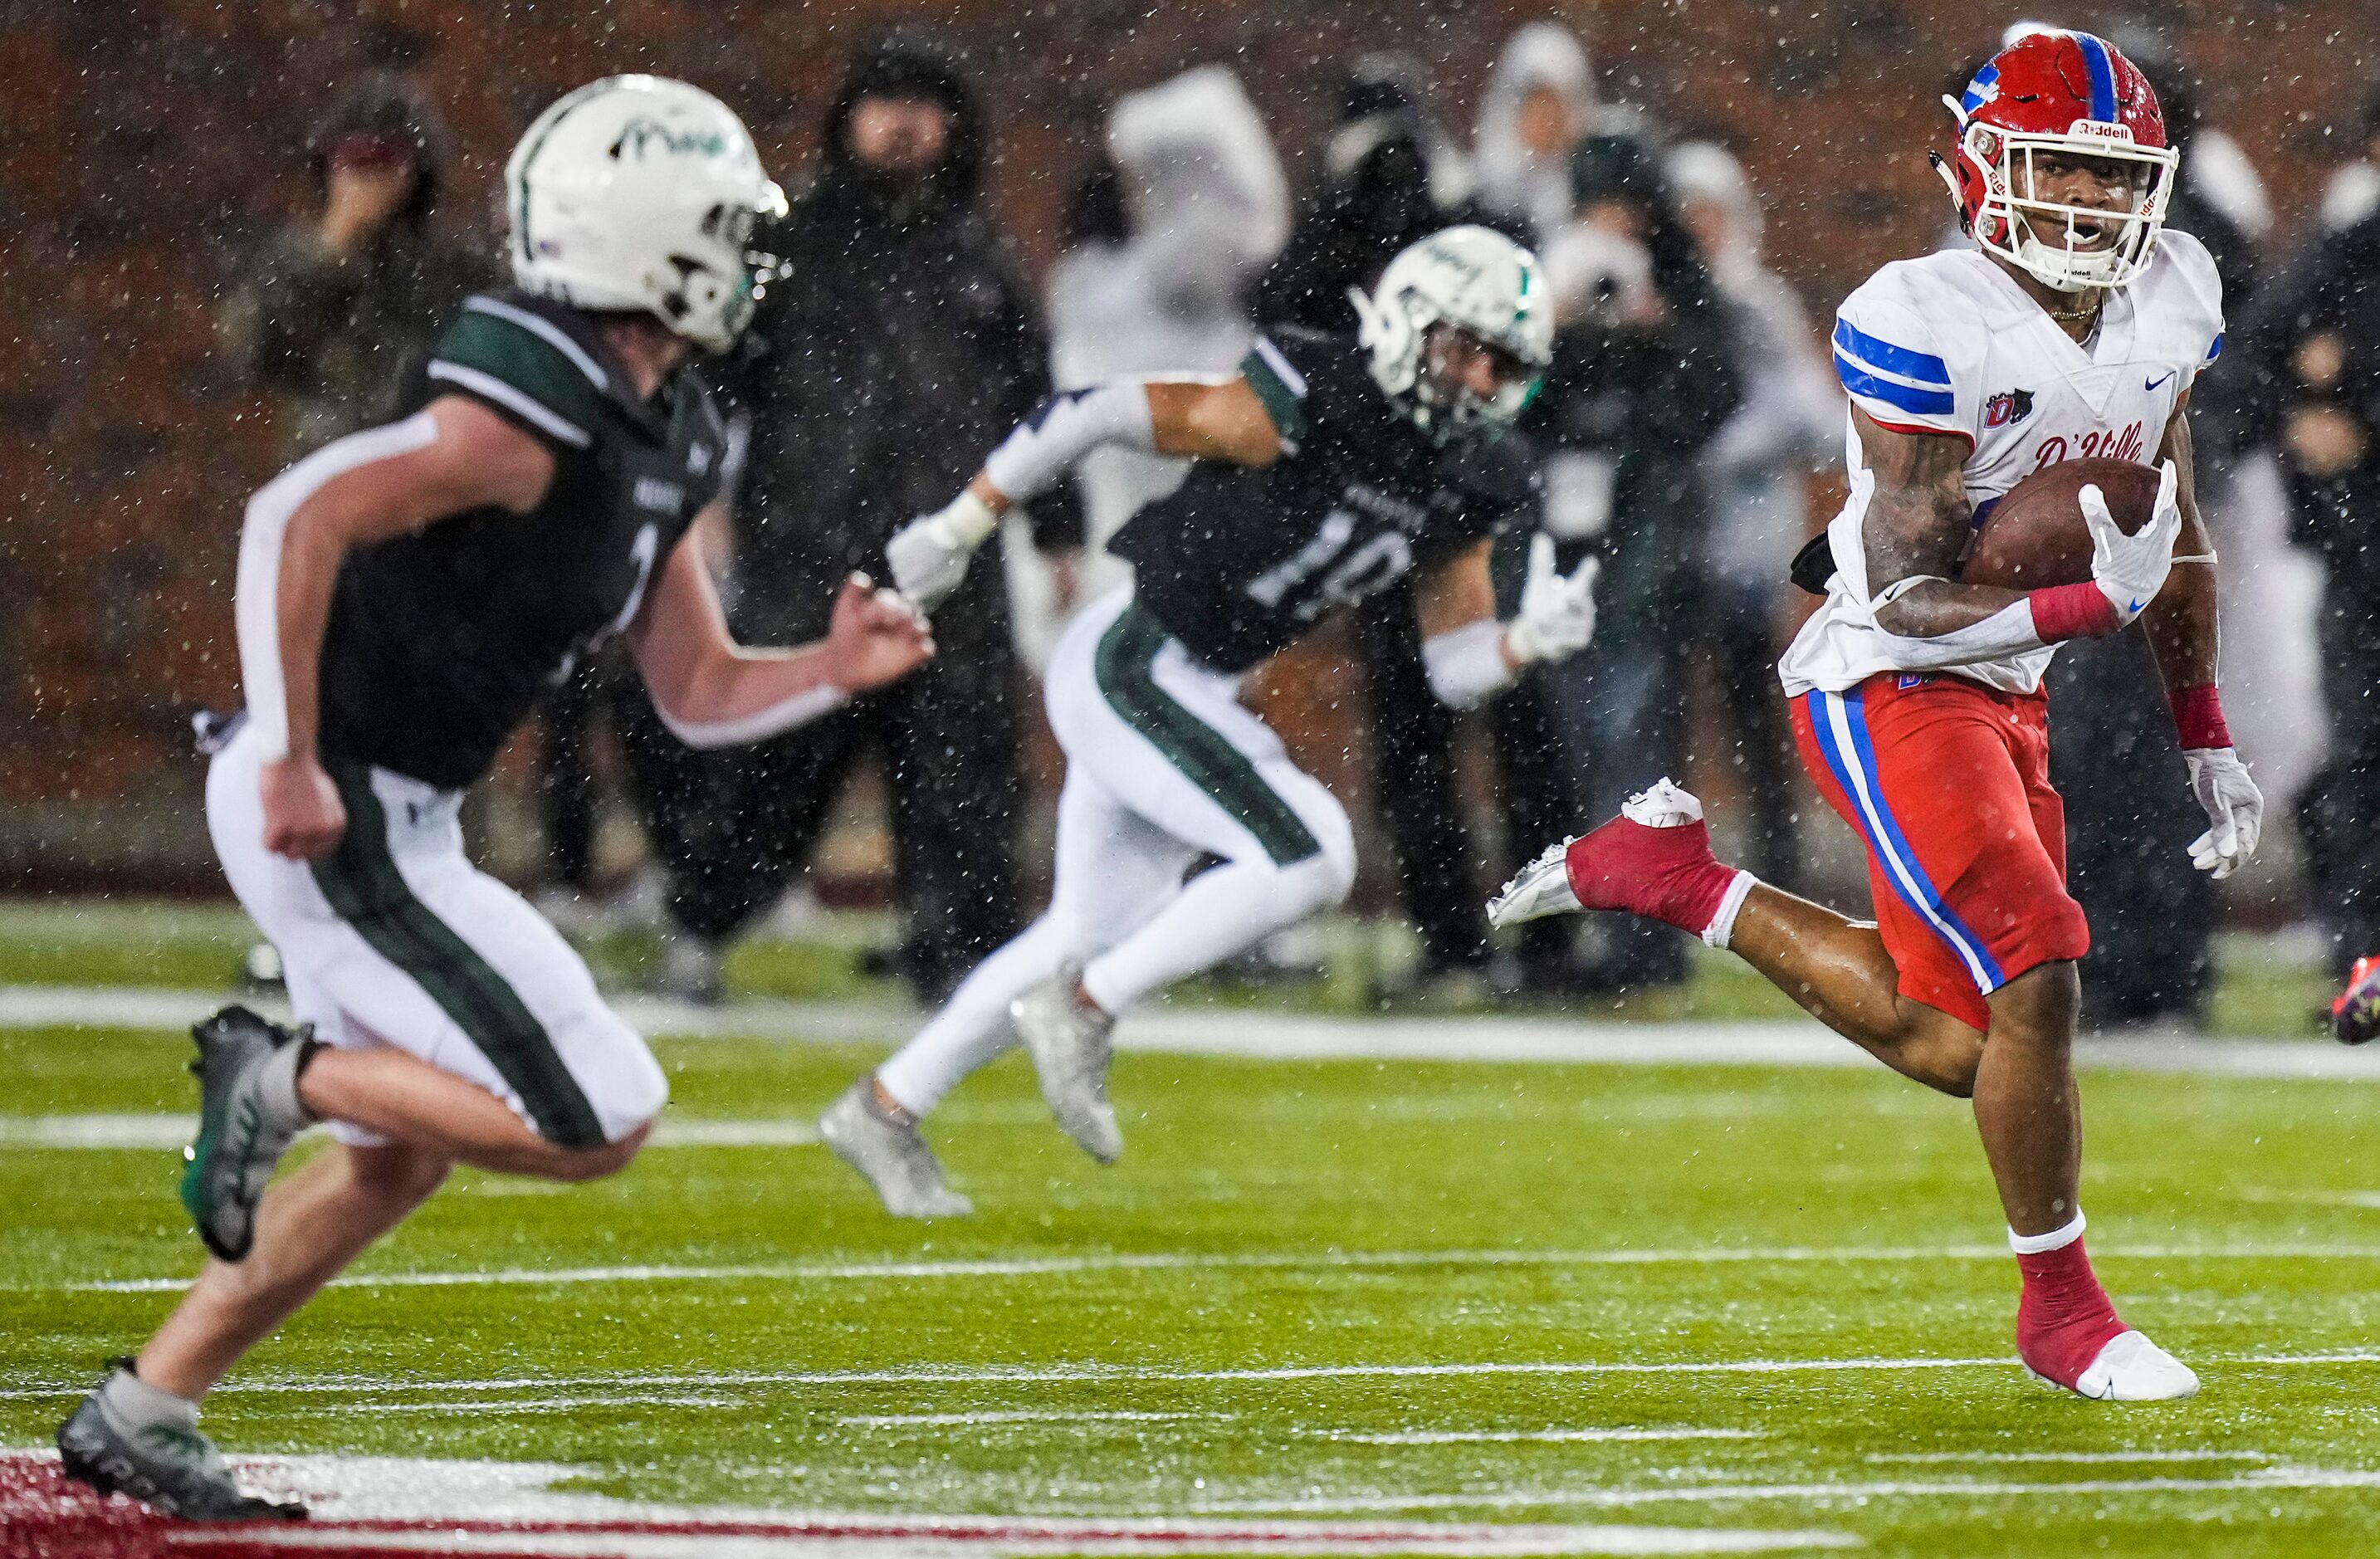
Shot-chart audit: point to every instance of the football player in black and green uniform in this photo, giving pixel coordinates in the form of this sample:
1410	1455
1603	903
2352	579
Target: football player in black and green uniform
405	595
1331	466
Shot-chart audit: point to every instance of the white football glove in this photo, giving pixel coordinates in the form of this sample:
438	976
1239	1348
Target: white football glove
929	555
2233	804
2129	570
1556	614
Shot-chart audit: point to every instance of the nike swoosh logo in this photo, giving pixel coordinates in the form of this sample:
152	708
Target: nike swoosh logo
2158	380
2136	606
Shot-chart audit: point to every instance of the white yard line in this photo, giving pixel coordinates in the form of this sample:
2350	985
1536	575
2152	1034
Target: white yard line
1031	1267
1968	1458
171	1131
1129	1374
2275	1479
974	1420
1292	1036
1533	1437
379	1503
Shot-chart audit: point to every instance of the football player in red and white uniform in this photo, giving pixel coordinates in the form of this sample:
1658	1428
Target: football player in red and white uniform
2074	328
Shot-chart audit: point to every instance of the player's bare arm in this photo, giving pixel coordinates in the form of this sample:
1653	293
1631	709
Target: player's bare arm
463	456
711	691
2180	625
1917	524
1198	418
1202	419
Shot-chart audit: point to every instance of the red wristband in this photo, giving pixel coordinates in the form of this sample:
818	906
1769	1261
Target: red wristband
2079	611
2198	716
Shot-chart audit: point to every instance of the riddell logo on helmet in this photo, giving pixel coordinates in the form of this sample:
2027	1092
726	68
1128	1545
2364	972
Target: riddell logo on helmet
2100	129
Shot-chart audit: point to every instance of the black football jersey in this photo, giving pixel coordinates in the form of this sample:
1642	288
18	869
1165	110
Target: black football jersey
1241	561
440	642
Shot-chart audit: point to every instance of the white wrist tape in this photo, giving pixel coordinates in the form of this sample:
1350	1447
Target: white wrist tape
784	716
257	597
1466	665
969	519
1066	427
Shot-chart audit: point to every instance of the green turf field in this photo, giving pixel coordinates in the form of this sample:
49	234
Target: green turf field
1691	1298
2267	987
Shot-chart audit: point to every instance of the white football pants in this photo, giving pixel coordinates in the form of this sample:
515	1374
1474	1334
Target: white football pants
1163	765
395	938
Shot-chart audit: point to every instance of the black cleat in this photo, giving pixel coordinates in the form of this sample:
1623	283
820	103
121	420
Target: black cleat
176	1470
239	1141
2355	1016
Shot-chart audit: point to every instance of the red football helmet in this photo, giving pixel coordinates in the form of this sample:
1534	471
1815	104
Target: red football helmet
2072	94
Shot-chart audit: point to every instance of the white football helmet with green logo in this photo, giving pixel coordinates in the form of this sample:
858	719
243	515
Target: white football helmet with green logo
1481	283
638	192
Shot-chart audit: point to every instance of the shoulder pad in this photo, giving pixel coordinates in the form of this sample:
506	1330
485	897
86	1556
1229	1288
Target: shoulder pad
524	365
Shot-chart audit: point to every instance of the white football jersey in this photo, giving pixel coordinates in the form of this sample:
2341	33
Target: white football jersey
1950	343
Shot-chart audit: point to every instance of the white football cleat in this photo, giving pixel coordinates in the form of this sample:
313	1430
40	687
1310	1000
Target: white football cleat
1536	890
2131	1369
1665	804
1071	1044
892	1155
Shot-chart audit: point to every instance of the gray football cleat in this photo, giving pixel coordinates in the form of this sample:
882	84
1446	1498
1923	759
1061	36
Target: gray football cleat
1071	1044
891	1155
1538	890
164	1466
249	1114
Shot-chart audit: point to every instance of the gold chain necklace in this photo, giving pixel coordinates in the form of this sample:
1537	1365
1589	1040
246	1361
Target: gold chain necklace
2076	315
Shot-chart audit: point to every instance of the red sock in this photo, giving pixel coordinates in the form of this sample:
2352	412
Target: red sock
2065	1318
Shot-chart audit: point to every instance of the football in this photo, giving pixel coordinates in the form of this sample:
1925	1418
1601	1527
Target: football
2034	535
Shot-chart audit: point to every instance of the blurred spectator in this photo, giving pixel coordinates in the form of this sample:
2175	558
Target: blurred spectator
2353	192
2153	915
1642	381
1756	476
1165	239
903	347
1392	178
2310	354
1540	101
337	306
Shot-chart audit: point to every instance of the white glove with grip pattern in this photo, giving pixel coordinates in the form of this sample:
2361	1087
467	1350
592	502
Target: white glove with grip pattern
2129	570
1556	614
2233	804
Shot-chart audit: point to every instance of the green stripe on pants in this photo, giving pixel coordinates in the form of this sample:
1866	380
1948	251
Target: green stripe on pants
365	888
1123	668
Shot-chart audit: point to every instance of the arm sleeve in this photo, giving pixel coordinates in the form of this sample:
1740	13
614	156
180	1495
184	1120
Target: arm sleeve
524	369
1888	362
1063	430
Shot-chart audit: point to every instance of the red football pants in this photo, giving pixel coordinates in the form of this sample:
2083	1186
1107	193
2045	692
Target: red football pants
1948	783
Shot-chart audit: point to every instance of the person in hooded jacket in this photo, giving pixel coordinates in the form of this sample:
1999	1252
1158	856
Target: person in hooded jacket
1755	478
2153	916
900	343
336	307
1644	378
1540	100
1392	176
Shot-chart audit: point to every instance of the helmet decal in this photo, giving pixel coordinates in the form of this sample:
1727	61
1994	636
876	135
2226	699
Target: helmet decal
640	193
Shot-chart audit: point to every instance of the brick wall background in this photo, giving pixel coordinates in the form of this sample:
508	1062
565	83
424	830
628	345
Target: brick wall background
147	140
